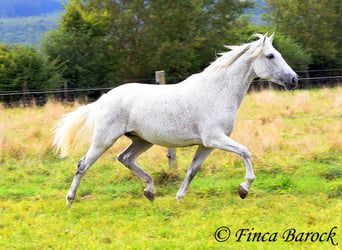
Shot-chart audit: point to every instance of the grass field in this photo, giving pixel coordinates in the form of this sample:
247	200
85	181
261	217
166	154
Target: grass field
296	142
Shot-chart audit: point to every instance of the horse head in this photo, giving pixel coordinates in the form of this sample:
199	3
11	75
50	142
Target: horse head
270	65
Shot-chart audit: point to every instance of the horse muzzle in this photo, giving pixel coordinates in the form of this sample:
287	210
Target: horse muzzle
292	83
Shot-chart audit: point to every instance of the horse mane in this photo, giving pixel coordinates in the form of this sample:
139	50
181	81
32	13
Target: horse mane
229	57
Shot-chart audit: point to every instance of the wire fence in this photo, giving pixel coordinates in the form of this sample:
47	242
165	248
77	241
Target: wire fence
307	80
332	81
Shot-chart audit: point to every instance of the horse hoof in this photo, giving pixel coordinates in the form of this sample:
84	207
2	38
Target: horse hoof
180	198
149	195
242	192
69	202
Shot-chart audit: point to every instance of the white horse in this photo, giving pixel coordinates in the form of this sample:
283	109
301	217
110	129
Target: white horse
201	111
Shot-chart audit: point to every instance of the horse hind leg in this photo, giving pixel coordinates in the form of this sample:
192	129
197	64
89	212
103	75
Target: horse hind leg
98	147
128	157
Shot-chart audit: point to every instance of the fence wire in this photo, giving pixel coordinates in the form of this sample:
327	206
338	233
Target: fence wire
170	81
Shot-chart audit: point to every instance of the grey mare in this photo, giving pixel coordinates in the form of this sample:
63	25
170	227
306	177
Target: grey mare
201	111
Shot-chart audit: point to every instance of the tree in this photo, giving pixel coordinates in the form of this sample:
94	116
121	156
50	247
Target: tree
316	24
187	34
80	46
294	53
24	65
101	41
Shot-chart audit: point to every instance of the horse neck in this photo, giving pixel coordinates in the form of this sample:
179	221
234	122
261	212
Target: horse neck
233	81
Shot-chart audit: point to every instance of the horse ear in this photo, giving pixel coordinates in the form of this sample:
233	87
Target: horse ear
271	38
264	39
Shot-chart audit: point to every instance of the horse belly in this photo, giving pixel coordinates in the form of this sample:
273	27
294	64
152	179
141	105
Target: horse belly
166	128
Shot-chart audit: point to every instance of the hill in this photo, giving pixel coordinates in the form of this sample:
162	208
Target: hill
26	21
27	30
25	8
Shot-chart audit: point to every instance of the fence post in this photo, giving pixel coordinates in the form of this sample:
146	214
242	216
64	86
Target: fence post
160	77
65	91
26	98
171	152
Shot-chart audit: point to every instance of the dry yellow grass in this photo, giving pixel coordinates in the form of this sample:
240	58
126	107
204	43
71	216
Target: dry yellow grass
268	122
300	122
27	131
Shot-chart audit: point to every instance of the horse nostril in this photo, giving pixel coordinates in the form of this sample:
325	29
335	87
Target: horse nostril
294	80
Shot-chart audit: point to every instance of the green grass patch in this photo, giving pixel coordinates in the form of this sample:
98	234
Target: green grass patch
110	211
297	163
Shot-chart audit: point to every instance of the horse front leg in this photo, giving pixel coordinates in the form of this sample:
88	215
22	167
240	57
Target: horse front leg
225	143
201	154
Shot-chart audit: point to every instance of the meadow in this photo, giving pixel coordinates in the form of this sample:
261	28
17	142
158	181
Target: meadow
296	142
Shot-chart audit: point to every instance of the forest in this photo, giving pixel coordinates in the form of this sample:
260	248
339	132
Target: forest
99	43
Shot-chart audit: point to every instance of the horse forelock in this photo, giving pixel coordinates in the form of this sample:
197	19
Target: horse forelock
227	58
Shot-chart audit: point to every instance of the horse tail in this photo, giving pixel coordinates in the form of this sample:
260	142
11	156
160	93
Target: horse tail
74	128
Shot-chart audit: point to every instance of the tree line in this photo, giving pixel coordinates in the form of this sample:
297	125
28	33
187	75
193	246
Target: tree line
100	43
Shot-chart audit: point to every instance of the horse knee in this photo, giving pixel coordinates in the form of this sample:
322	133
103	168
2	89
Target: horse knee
245	153
124	159
81	169
121	158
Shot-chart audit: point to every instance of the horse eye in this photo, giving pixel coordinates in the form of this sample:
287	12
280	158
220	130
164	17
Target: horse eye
270	56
